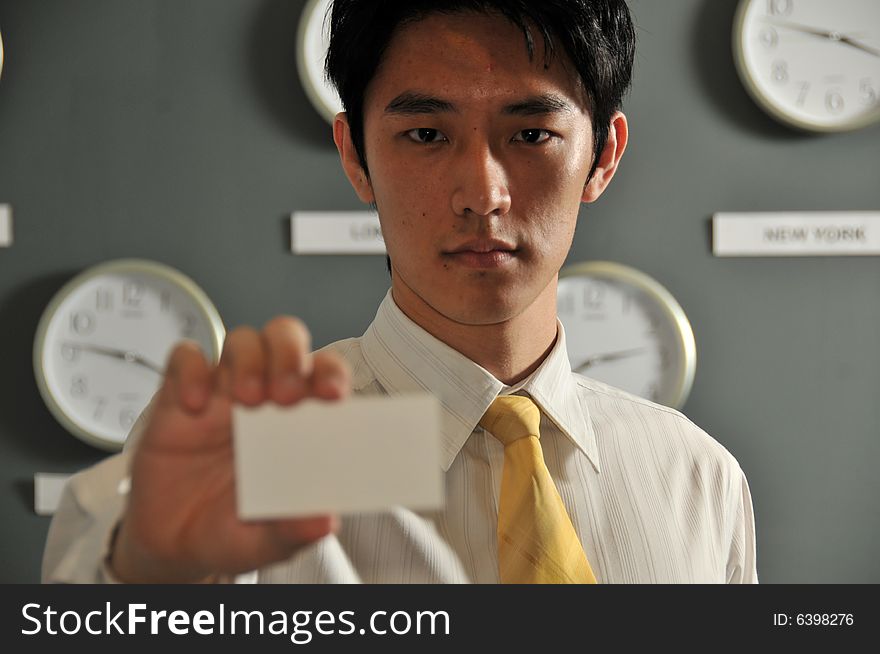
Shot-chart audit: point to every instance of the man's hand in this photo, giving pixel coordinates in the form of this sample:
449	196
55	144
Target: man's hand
180	524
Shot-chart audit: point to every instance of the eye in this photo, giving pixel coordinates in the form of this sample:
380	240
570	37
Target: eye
426	135
532	136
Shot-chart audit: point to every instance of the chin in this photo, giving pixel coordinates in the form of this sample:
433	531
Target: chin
476	308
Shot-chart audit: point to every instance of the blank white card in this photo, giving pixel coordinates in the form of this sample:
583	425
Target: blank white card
359	454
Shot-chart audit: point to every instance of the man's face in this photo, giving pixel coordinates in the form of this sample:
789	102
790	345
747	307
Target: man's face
468	141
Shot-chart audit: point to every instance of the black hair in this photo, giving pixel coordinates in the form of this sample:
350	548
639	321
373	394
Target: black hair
597	35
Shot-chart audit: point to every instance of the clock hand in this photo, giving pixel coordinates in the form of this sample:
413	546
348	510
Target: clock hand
859	46
124	355
137	358
846	39
611	356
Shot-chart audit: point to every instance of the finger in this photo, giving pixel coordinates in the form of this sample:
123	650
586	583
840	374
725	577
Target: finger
331	378
288	344
223	377
305	530
243	361
187	378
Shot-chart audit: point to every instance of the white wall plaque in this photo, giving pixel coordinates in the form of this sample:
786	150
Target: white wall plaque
48	487
796	233
5	225
336	232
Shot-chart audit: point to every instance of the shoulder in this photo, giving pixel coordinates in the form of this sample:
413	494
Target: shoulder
347	348
625	421
350	350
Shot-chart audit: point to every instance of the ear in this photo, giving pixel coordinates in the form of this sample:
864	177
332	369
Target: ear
615	144
350	161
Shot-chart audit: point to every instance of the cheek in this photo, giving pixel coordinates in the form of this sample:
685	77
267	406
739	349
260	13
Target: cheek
402	183
559	176
406	203
552	236
551	196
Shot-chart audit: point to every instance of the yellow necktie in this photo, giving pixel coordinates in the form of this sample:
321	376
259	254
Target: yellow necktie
537	543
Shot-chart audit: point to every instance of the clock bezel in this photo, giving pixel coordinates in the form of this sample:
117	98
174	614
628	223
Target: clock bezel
118	266
620	273
769	104
313	93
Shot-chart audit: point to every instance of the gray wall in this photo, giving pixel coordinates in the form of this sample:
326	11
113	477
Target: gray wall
176	130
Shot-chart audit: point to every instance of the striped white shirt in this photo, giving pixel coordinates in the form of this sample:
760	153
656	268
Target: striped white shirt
652	497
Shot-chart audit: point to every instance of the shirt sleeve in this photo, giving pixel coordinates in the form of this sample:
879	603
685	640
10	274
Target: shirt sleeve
741	563
79	535
90	507
82	529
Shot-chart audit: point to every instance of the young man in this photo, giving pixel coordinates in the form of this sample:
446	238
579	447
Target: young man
477	129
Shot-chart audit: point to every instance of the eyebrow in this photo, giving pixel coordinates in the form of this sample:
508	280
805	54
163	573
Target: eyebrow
412	103
539	105
409	102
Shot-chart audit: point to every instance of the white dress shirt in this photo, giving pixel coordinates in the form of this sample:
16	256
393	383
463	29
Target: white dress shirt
652	497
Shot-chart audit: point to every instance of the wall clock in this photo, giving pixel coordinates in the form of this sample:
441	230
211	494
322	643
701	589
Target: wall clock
103	341
625	329
313	43
811	64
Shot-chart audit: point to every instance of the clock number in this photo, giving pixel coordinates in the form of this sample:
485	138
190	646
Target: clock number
769	38
189	324
594	296
69	352
566	304
131	294
834	102
779	72
664	358
79	386
103	299
164	300
780	7
100	403
802	94
868	95
82	322
127	418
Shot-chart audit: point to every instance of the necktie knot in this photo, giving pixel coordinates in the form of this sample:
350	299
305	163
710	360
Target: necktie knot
512	417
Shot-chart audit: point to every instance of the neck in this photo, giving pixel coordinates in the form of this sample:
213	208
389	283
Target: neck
511	349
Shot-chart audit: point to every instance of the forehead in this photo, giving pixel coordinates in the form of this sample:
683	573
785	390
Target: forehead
471	57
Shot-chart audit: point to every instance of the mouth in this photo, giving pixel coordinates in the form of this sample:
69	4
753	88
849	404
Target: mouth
483	254
484	246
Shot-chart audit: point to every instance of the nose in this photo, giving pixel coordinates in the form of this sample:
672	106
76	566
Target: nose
481	182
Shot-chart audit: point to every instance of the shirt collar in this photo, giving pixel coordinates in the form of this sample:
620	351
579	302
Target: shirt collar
406	358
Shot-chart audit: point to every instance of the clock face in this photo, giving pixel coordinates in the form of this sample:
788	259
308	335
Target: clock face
314	41
814	64
103	344
624	329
